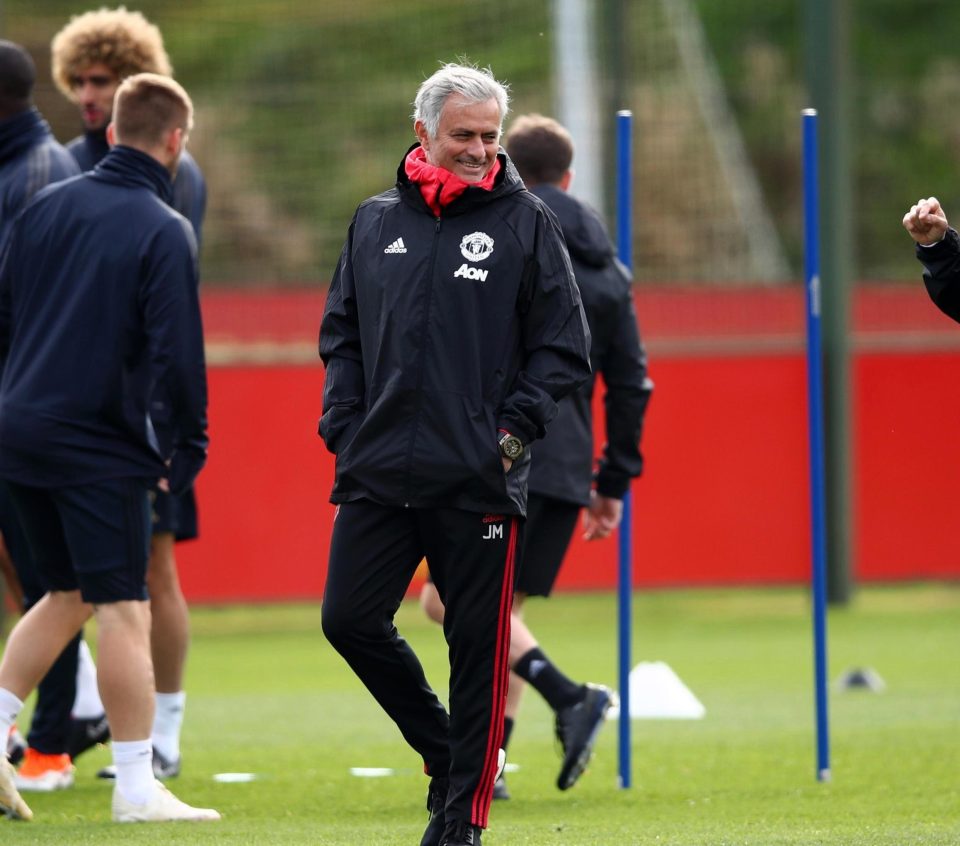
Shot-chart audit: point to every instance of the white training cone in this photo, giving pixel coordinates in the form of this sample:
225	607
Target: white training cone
657	693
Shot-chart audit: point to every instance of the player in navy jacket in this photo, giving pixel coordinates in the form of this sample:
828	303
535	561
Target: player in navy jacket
99	305
90	56
31	159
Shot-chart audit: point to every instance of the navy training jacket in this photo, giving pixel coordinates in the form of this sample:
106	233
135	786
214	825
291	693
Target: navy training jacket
98	301
189	195
563	460
30	159
437	332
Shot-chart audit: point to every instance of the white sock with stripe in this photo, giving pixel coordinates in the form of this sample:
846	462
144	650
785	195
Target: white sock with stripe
134	762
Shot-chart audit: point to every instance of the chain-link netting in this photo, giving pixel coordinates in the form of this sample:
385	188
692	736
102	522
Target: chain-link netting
303	110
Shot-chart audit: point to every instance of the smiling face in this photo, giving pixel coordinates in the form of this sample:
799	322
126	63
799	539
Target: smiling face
94	88
467	140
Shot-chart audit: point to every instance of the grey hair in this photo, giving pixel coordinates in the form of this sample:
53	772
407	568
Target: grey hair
475	85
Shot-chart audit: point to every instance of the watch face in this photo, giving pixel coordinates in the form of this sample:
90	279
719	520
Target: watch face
512	447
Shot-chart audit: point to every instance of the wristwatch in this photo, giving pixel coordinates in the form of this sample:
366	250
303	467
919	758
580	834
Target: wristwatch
510	445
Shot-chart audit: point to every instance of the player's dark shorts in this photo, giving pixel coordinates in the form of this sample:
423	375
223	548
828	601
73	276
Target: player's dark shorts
550	526
15	540
95	537
175	514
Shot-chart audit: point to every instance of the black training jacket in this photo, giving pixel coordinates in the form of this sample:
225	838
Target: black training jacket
437	332
941	273
98	301
563	460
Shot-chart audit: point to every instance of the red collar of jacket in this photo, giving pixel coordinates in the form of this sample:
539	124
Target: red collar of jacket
439	186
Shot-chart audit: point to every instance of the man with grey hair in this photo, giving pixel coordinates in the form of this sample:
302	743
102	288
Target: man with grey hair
452	327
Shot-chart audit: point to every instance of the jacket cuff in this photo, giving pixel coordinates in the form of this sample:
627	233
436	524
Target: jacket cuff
185	466
945	247
612	485
514	428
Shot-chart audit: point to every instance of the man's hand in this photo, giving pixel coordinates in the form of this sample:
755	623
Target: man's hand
507	464
926	222
601	517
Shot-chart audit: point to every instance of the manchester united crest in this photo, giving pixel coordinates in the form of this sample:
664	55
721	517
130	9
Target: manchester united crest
477	246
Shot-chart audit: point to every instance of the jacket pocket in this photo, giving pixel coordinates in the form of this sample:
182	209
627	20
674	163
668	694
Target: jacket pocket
338	426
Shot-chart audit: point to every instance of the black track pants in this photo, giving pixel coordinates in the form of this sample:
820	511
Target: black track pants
374	553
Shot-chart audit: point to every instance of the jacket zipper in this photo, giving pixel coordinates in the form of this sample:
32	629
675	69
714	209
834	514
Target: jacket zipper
423	355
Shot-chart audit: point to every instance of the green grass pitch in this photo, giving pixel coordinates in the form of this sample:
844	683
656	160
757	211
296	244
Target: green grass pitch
267	695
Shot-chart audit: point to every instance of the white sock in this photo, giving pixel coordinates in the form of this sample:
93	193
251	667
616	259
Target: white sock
134	762
167	720
10	706
87	704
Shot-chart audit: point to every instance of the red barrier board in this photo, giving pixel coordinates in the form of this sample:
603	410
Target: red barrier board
725	496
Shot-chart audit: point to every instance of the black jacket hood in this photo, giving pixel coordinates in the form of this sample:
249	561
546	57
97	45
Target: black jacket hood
582	228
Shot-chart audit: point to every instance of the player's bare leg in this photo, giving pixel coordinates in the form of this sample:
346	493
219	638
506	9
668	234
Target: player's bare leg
125	673
39	637
170	641
34	644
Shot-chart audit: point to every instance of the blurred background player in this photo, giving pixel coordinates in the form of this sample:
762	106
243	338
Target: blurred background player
99	304
91	56
31	159
562	480
938	248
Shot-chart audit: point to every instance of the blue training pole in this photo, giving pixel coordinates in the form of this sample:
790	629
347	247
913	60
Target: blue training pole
625	564
811	217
